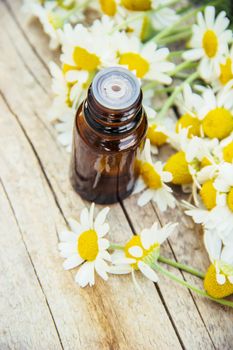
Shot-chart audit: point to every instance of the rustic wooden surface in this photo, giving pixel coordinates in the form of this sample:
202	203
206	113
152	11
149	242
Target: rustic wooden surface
40	305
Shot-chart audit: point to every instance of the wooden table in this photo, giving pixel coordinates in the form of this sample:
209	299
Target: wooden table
41	307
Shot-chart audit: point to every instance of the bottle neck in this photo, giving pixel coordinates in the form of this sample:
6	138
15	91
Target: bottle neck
109	121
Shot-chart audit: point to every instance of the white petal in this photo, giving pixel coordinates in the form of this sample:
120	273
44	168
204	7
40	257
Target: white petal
136	251
75	226
102	230
103	244
147	271
101	268
67	236
84	219
85	274
120	269
72	261
101	217
145	197
221	279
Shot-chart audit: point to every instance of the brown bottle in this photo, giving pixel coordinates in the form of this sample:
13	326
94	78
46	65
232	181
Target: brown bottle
110	126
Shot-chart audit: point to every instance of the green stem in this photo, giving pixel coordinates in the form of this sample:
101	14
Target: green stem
183	267
175	93
184	65
175	37
165	90
190	286
114	246
149	86
176	53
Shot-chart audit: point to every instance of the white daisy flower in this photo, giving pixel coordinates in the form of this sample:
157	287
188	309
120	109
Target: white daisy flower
224	150
141	252
158	131
216	113
83	47
209	42
189	104
226	71
148	62
215	204
67	92
85	246
220	256
152	181
164	17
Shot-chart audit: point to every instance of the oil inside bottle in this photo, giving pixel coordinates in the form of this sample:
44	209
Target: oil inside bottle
110	127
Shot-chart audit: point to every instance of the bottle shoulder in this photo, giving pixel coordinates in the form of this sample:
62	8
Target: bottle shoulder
102	142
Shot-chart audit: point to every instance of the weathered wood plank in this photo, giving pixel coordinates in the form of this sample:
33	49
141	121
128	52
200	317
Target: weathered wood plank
26	321
111	314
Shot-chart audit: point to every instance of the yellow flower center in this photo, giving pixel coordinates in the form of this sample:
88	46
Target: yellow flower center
136	241
87	245
67	67
218	123
212	287
108	7
157	138
228	153
230	199
178	167
68	99
85	60
136	5
208	194
205	162
150	176
226	72
135	62
187	121
210	43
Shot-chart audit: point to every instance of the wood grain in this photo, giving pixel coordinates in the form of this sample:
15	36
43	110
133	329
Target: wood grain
37	200
112	315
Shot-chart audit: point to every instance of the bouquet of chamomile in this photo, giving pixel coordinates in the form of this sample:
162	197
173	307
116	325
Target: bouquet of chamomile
182	53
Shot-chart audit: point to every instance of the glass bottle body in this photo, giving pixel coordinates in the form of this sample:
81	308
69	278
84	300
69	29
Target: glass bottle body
103	166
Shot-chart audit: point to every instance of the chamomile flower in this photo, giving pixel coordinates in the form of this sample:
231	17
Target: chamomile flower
224	150
163	16
158	132
177	163
209	42
83	47
145	60
85	246
219	277
222	215
189	104
66	90
152	181
216	113
226	70
141	252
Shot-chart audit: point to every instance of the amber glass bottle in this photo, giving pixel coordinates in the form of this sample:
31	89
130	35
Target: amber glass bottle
109	127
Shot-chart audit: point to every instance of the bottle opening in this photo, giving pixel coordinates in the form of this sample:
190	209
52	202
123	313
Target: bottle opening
116	88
